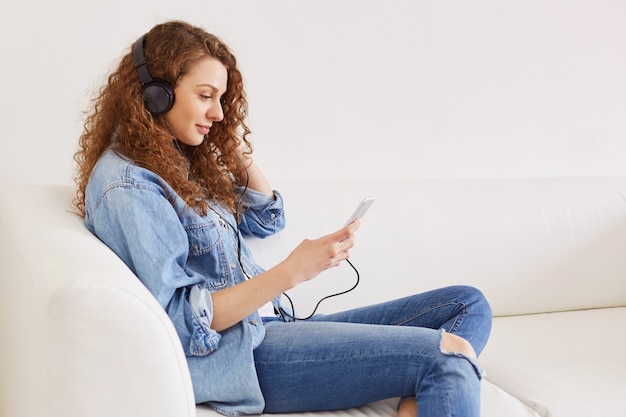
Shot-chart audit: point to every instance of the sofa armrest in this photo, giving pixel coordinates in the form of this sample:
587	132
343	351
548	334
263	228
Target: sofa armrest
83	335
116	349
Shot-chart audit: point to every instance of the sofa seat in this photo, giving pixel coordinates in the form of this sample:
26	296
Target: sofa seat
380	408
495	403
561	364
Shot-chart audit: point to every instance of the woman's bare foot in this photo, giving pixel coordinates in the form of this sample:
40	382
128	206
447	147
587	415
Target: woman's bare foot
407	408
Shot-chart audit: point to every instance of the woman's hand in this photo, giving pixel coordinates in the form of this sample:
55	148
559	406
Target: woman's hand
311	257
305	262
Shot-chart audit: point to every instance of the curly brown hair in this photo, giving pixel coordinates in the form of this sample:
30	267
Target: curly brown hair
119	120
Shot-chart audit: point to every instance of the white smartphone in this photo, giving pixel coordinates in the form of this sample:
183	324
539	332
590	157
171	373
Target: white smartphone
361	209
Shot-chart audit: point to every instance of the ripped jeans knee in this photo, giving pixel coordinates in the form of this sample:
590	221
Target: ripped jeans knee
452	387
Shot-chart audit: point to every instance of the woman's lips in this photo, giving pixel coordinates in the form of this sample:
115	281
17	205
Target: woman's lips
204	129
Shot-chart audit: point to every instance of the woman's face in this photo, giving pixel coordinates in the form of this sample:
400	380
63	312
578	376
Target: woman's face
197	105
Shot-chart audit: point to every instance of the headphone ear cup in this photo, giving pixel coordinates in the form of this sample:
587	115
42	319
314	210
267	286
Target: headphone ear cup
158	96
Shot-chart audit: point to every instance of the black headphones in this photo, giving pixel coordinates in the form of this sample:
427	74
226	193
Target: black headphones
158	95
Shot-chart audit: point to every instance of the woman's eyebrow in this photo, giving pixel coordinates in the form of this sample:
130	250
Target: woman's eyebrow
211	86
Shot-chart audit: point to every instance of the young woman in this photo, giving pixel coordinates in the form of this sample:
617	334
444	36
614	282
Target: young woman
166	180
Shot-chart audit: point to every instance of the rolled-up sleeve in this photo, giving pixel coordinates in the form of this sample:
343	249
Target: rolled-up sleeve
263	215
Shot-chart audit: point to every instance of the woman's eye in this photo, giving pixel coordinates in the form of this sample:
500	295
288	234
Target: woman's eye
205	97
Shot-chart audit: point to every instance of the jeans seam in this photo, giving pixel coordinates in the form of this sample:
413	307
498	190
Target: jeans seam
337	359
459	319
421	313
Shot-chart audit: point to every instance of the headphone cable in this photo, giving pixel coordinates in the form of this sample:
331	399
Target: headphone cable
293	316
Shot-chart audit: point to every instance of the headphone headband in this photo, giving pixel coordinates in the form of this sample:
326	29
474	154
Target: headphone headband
158	95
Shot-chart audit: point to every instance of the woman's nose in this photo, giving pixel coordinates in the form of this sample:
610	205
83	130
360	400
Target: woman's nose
216	113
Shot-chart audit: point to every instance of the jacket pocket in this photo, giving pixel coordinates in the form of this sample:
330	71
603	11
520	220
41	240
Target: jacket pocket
203	238
206	253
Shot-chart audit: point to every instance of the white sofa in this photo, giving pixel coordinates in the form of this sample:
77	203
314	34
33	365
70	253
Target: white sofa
81	337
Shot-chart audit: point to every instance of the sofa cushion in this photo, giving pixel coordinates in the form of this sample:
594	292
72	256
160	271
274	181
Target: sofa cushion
495	403
565	364
380	408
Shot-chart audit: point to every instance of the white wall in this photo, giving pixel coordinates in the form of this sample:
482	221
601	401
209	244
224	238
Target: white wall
349	88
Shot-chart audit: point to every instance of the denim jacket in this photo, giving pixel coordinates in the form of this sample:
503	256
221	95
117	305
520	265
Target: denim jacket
182	257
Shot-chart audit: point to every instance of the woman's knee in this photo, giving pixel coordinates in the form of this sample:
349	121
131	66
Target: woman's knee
475	298
477	318
451	343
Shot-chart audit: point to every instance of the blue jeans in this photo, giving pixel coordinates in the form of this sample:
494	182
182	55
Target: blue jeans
388	350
